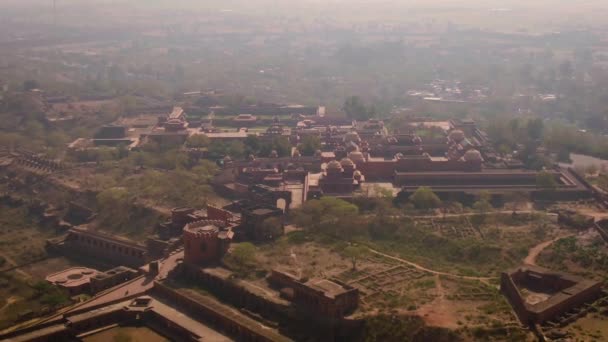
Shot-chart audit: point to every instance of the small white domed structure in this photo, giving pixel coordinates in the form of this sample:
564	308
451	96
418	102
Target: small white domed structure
472	156
457	135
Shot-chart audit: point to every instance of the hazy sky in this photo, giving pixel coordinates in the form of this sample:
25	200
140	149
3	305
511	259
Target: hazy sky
533	14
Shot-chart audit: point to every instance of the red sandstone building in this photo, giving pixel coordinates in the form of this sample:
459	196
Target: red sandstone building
538	295
205	243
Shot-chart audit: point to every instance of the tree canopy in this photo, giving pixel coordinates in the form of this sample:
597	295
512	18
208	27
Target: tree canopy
309	145
115	207
328	214
357	110
242	259
354	253
424	198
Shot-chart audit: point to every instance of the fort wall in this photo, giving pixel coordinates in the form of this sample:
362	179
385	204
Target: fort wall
106	247
218	315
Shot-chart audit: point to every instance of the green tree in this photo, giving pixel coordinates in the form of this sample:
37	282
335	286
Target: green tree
272	228
242	259
329	215
252	144
354	253
197	141
236	149
535	128
356	109
482	207
424	198
115	207
309	145
49	294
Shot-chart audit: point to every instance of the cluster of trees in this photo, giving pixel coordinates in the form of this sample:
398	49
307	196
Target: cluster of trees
252	145
523	136
242	260
116	207
122	210
23	125
178	188
388	227
309	145
263	148
425	199
356	109
329	215
566	139
567	249
50	295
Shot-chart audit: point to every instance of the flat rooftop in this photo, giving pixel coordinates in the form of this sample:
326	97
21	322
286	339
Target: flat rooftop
330	288
262	211
72	277
227	135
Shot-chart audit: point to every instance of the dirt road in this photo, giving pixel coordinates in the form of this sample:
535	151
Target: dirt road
422	268
536	250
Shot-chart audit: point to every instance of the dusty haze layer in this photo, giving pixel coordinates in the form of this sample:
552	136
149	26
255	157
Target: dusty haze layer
505	15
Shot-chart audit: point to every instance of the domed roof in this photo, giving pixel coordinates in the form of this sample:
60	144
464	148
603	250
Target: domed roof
457	135
352	136
274	154
357	173
472	155
296	153
227	159
346	162
356	156
352	147
334	165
